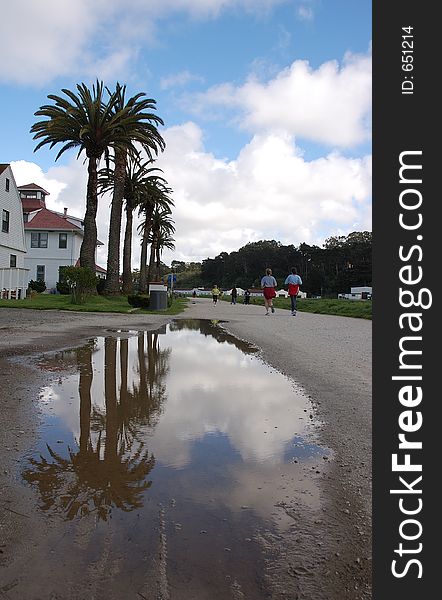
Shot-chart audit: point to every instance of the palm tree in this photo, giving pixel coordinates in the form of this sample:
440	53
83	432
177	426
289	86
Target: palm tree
137	127
156	196
162	229
111	473
87	122
140	177
164	240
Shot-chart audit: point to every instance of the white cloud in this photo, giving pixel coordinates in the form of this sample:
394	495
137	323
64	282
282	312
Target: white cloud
329	105
305	13
269	192
51	38
179	79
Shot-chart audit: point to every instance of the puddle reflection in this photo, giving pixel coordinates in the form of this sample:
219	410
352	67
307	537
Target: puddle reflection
187	417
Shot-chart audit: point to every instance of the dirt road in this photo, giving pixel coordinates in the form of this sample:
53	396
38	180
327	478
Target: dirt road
326	556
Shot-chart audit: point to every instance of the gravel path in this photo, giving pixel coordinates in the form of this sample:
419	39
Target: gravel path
329	356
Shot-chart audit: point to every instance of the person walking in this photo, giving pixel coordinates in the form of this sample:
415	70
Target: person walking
234	294
293	281
268	284
215	293
246	297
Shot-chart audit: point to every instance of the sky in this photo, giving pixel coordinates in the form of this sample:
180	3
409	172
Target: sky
266	107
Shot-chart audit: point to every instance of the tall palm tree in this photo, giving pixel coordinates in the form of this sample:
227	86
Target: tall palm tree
139	126
164	240
161	229
88	122
157	195
138	175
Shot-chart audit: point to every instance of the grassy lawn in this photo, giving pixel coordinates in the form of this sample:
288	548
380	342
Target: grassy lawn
110	304
324	306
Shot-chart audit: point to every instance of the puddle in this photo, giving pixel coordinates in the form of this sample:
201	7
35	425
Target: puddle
171	451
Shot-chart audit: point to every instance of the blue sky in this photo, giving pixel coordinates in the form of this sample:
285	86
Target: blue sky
266	105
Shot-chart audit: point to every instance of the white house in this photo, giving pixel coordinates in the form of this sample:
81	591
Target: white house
358	293
53	239
14	276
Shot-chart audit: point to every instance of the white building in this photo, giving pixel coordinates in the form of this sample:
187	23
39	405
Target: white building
358	293
14	276
53	239
239	291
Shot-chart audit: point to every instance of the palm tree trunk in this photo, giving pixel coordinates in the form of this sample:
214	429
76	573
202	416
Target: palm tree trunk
89	244
143	259
127	251
158	255
152	258
112	286
110	395
84	389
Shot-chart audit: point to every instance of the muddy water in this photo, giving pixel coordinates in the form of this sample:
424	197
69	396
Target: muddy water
162	457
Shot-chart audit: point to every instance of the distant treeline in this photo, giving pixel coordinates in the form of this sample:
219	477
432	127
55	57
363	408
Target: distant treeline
341	263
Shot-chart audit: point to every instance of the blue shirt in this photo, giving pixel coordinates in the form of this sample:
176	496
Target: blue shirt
293	279
268	281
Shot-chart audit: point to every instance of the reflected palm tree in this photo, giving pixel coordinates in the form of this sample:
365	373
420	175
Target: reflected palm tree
110	470
153	366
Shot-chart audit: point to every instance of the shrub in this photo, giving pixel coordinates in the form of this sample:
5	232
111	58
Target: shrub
82	282
38	286
62	286
101	282
138	300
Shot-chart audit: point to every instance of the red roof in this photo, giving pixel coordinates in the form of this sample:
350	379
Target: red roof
46	219
30	204
32	186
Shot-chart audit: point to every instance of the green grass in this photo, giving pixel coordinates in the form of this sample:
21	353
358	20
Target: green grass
359	309
108	304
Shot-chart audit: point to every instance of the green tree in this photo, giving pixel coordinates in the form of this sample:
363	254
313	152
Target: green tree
139	179
156	196
160	237
86	121
136	125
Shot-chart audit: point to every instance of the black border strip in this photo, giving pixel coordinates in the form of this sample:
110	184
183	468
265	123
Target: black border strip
405	122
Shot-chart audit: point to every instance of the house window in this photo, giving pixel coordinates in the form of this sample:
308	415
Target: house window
7	184
25	217
39	240
40	272
63	240
13	261
5	221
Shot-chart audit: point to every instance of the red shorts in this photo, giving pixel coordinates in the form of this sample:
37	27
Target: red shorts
269	293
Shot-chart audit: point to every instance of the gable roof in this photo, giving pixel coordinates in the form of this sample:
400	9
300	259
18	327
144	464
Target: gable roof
3	167
47	219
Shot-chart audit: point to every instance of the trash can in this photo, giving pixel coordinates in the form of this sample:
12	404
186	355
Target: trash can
157	297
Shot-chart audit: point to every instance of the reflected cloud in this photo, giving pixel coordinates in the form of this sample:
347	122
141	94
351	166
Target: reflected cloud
189	398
